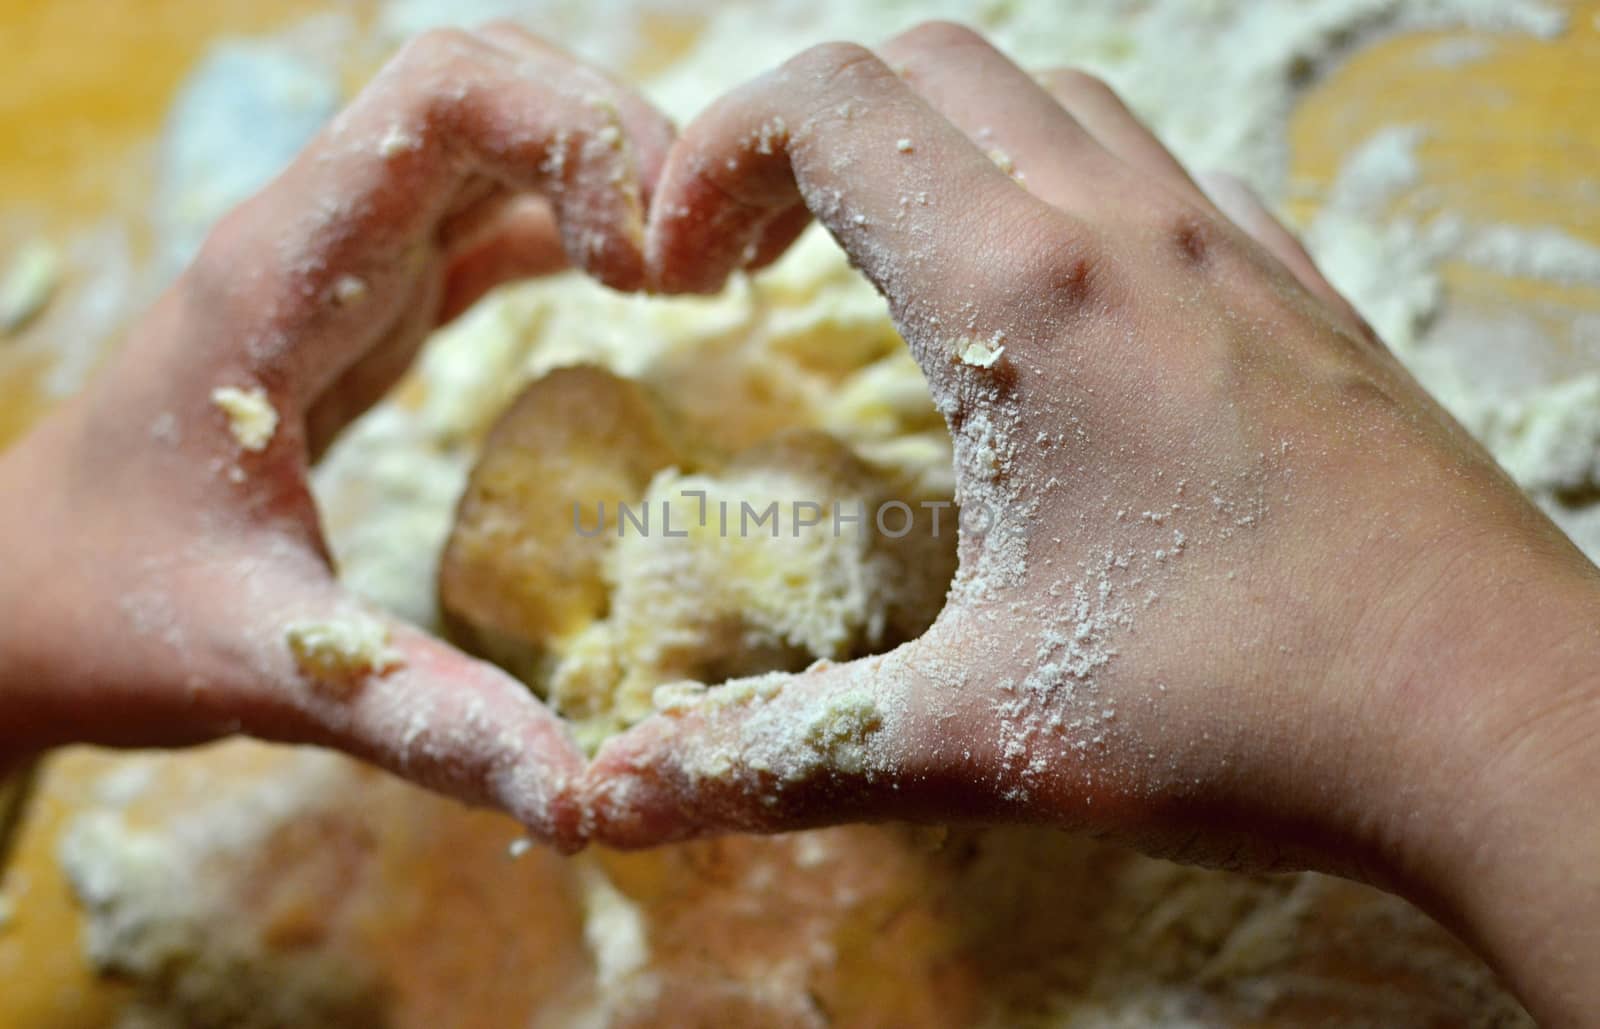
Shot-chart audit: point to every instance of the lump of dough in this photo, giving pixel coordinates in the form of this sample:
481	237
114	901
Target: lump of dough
339	653
516	575
750	589
251	417
721	568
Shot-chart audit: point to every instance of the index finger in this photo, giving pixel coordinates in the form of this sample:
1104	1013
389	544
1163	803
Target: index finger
937	227
366	200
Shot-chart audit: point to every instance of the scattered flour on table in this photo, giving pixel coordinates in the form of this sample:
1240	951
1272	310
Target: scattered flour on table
158	915
614	930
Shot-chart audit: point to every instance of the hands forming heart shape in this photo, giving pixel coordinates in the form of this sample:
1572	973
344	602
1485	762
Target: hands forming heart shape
1240	529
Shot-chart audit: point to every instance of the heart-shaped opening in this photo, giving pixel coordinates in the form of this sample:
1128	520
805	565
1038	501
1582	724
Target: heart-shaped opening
772	489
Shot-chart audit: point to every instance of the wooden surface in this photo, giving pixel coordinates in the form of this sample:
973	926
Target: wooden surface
87	82
84	84
1511	137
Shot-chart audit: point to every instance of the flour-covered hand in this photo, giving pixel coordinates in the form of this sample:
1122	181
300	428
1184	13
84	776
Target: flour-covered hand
1240	591
167	579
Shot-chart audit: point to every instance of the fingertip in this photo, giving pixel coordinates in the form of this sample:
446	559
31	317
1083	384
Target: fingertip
691	246
614	261
626	797
776	238
763	754
650	135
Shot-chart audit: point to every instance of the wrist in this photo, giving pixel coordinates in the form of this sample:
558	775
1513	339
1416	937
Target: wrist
1490	721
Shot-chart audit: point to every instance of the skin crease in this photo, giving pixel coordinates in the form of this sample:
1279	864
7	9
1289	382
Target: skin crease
1373	655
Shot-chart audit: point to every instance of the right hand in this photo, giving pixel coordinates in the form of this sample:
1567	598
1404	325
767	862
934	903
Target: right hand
1254	598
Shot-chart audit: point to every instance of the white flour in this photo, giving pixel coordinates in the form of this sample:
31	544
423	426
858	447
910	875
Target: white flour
1218	82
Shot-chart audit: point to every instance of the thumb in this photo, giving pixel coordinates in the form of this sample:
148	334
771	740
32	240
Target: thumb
874	738
380	689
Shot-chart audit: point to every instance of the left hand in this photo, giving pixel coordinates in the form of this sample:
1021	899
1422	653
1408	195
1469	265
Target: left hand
167	580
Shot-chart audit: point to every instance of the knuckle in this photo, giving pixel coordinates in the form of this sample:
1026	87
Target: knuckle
1189	235
830	67
436	47
437	72
1179	232
1079	83
936	35
1055	264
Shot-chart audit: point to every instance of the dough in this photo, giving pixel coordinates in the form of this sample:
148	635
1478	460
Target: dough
597	558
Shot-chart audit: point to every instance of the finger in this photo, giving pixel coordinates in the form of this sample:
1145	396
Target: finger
253	635
522	242
468	729
776	238
477	215
864	740
1008	115
364	201
649	135
920	209
367	381
498	239
1241	206
1098	109
331	671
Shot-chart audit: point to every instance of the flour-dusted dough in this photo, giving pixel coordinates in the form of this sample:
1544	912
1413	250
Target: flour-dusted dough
599	561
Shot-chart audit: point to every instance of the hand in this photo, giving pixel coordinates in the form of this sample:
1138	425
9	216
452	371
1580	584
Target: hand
172	584
1249	596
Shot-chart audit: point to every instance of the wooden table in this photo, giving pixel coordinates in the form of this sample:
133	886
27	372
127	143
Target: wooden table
86	83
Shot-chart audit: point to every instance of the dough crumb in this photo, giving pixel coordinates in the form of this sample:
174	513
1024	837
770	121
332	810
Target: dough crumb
1003	161
979	355
903	145
677	697
349	291
251	416
28	285
342	652
841	731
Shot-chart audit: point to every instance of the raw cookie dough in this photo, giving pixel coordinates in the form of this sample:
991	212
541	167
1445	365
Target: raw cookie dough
598	560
